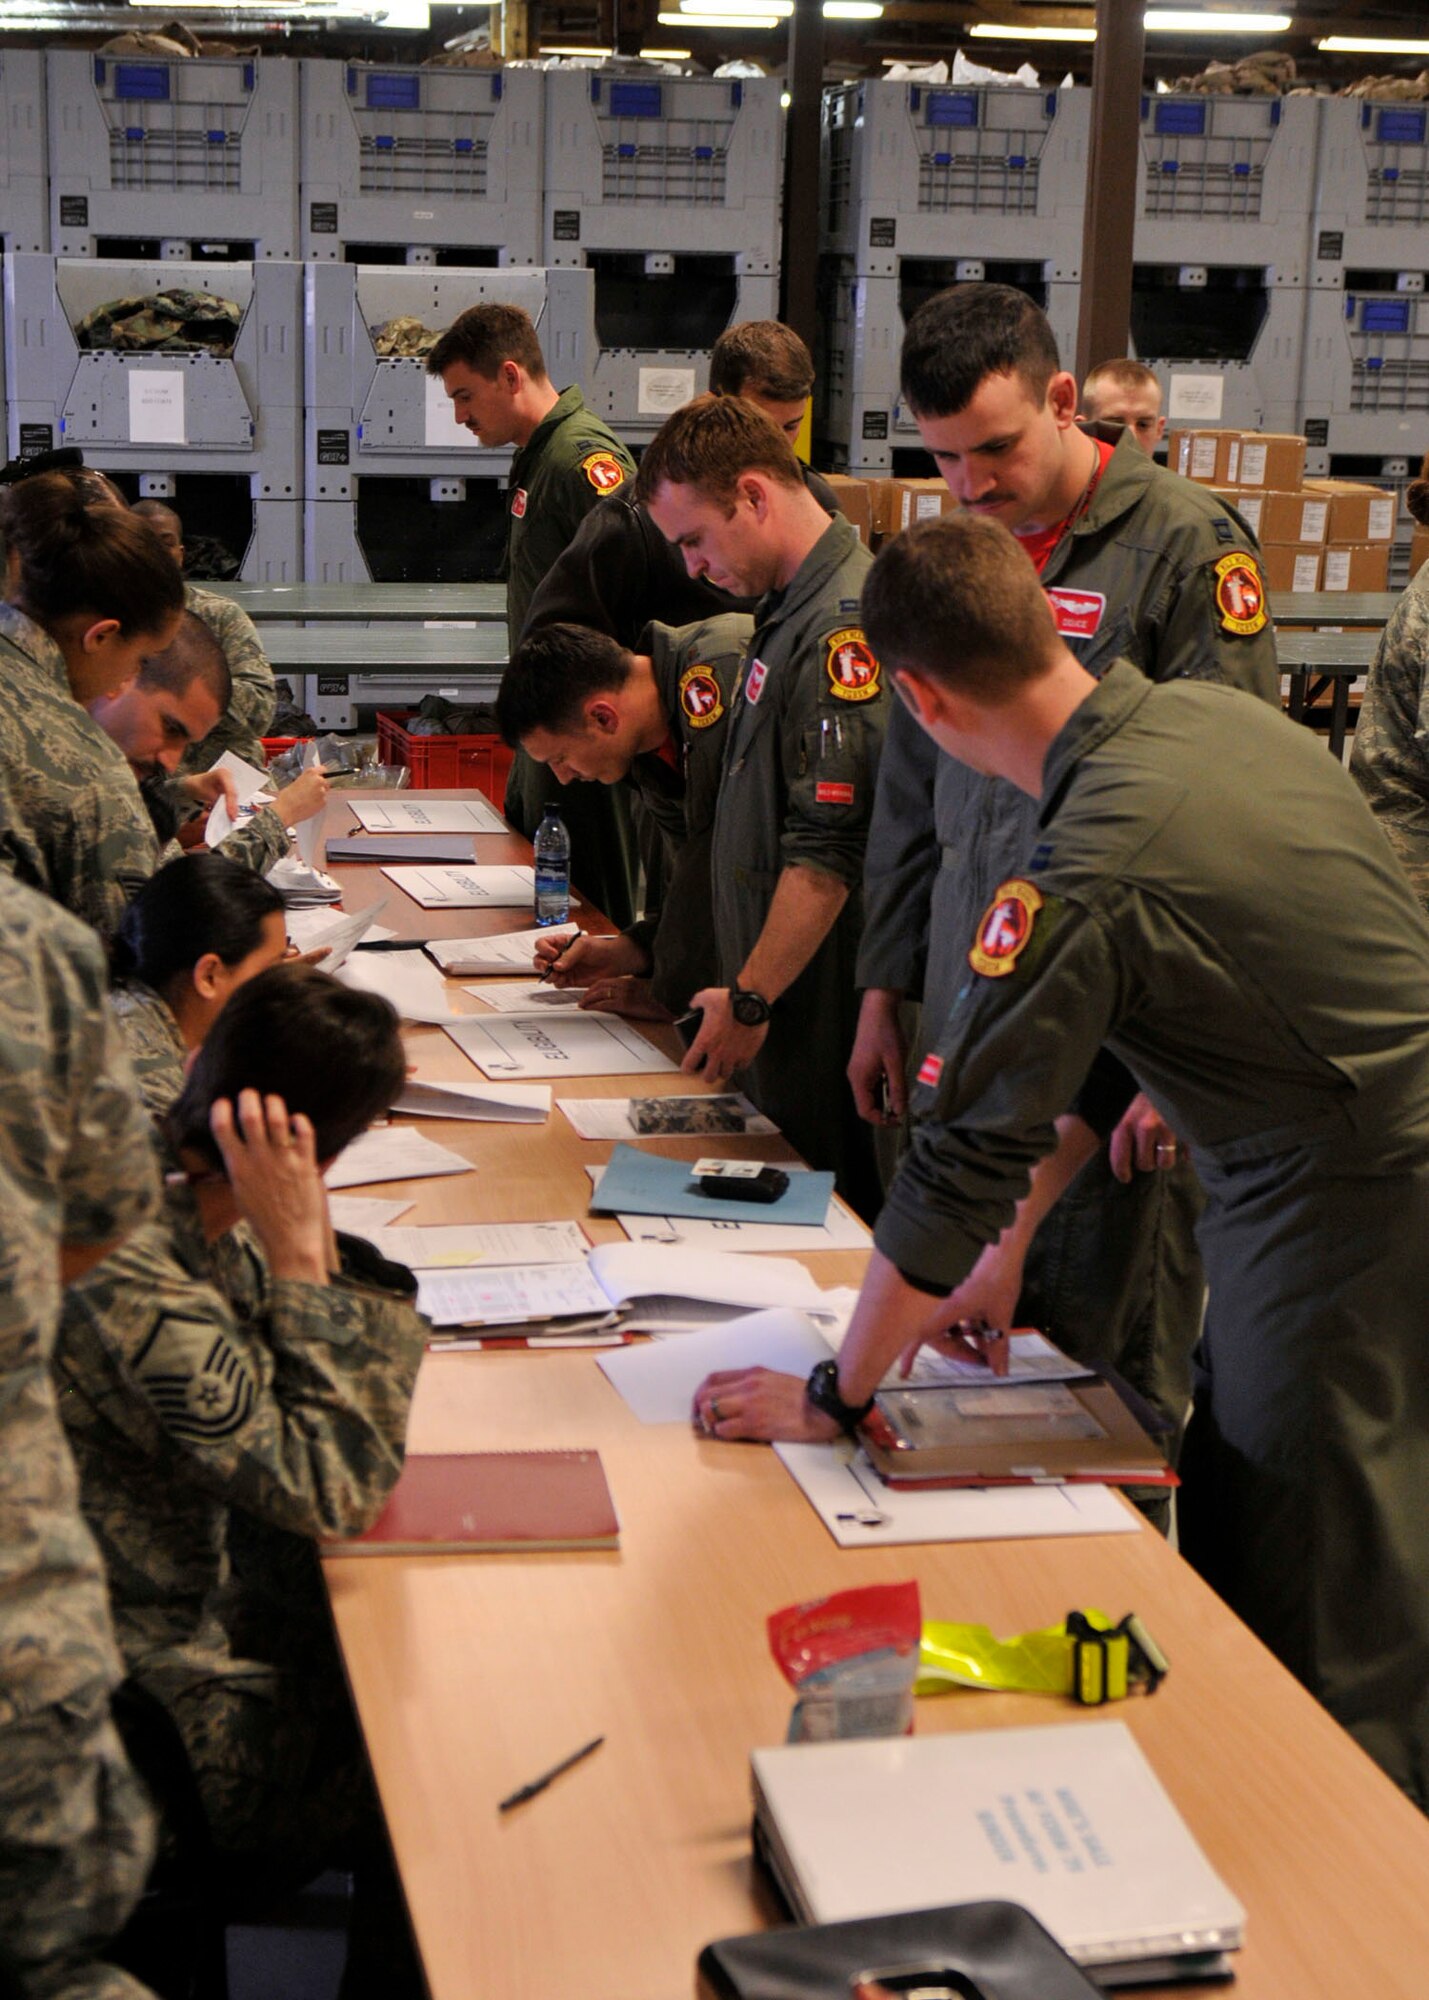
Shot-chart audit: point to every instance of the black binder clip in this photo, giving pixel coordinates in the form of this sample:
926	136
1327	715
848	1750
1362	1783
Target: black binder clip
1108	1665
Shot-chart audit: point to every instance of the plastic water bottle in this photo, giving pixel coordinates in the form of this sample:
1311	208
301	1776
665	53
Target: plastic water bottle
553	868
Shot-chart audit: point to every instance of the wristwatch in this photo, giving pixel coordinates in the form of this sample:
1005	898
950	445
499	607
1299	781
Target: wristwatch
751	1010
822	1391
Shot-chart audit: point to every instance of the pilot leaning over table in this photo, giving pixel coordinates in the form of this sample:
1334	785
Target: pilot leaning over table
214	1400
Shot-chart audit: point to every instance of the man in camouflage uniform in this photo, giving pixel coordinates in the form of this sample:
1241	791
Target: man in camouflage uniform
490	363
801	759
1390	755
76	1174
72	822
577	702
253	696
202	1383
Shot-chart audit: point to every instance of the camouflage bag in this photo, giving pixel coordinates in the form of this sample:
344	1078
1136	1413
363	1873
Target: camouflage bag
403	339
172	322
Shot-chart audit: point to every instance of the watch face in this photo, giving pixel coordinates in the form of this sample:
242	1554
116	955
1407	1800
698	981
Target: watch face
749	1010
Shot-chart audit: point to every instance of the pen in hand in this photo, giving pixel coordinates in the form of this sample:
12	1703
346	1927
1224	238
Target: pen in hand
565	947
537	1785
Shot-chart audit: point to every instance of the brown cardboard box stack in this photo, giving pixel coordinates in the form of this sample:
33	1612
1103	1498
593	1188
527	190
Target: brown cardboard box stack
880	508
1314	534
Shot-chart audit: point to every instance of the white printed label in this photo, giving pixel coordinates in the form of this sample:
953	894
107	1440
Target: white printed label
1313	516
1203	458
664	389
1196	399
1337	569
728	1170
929	506
156	406
1233	463
1307	571
1381	520
1252	464
1250	507
442	431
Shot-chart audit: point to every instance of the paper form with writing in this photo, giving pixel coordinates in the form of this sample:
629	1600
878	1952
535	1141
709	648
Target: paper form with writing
474	888
614	1117
840	1230
307	834
451	1244
517	1046
336	931
392	1153
659	1381
511	1294
527	997
860	1512
407	979
254	792
407	812
361	1214
156	406
503	1103
506	952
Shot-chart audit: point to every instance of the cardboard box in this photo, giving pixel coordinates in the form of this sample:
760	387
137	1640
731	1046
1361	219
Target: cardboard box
1358	513
855	497
1272	460
1288	520
1200	455
883	506
1418	550
918	500
1289	569
1365	567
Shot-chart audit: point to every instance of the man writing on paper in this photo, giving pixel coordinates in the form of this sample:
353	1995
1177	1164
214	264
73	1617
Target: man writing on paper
576	701
801	757
1291	1051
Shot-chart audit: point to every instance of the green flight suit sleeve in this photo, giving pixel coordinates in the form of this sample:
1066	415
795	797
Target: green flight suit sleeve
833	737
1390	757
296	1414
1012	1057
901	861
1197	635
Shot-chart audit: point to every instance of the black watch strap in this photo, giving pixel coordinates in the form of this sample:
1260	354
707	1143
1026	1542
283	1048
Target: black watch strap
822	1391
750	1009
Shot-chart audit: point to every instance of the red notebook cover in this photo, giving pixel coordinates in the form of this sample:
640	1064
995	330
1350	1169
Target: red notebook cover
490	1501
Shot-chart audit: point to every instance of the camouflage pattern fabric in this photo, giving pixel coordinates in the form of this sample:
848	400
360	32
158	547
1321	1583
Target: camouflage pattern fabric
72	823
155	1046
249	715
1390	756
76	1166
403	339
285	1402
172	322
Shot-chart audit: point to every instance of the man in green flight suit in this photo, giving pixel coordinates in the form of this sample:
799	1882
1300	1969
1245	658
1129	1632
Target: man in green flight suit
1287	1044
722	483
577	701
490	363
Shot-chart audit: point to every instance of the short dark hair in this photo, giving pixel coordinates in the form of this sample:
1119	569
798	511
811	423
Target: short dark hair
193	654
764	357
158	510
484	336
711	443
329	1051
198	904
957	600
959	337
1122	372
76	556
552	673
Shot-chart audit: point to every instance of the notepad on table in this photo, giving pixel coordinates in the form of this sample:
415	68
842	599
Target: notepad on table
426	812
1068	1819
505	952
492	1501
399	847
473	888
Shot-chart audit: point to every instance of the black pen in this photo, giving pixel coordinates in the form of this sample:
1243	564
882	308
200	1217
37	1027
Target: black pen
548	1777
565	947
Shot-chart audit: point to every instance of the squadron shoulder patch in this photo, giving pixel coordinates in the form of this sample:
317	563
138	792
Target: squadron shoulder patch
1240	595
1005	929
603	470
700	698
200	1386
851	665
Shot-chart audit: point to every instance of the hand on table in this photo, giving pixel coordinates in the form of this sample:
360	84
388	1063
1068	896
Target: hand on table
722	1046
759	1405
581	960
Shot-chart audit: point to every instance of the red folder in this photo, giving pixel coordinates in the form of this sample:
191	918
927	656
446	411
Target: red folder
492	1501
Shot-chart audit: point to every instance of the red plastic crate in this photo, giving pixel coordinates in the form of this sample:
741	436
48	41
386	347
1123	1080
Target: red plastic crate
279	746
445	763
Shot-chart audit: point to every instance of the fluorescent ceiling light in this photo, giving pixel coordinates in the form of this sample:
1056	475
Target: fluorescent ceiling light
718	20
1205	21
666	55
571	49
1370	45
853	10
995	31
730	10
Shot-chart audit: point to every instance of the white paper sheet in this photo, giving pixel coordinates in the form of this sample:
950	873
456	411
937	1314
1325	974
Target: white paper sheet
498	1103
407	978
659	1381
361	1214
510	1295
528	997
156	406
424	813
860	1512
334	929
513	1047
506	952
476	888
448	1245
661	390
254	792
840	1230
393	1153
609	1118
632	1271
307	834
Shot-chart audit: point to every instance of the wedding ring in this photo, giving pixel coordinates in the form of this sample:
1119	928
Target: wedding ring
1165	1152
716	1413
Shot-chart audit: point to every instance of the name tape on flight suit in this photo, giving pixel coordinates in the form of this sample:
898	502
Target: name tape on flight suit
1077	613
1005	929
700	697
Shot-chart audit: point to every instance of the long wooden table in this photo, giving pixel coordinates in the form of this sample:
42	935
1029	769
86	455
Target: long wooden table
353	602
473	1675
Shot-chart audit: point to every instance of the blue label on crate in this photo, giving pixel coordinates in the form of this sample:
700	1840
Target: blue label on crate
386	92
1402	127
147	80
1385	316
636	100
1180	114
952	107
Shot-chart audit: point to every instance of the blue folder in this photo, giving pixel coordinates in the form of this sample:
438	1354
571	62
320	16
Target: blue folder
640	1183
